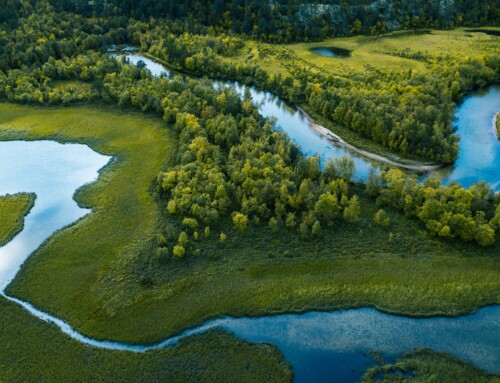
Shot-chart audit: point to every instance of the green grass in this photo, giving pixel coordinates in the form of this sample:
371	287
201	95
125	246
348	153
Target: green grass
427	366
108	283
34	351
13	209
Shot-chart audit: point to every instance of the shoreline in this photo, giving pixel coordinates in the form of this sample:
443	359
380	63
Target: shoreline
496	132
337	140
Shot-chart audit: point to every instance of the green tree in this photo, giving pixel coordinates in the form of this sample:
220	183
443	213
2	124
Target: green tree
381	218
240	221
352	212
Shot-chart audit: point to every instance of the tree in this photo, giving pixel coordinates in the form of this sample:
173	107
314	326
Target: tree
240	221
290	220
273	224
179	251
485	235
316	229
381	218
352	212
223	237
183	238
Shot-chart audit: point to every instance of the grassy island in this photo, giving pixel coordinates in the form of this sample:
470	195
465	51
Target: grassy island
13	209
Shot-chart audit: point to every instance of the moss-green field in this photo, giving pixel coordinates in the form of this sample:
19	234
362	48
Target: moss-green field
98	267
392	51
13	208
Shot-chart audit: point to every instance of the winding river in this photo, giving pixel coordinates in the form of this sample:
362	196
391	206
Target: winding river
321	346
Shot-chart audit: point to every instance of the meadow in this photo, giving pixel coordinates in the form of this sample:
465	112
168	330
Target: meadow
34	351
54	356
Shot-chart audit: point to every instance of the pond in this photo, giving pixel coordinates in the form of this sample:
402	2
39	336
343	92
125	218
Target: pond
332	52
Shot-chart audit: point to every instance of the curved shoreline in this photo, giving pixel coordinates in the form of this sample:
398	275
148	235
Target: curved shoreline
321	130
337	140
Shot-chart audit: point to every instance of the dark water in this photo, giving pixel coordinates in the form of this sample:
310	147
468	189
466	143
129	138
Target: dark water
335	346
332	52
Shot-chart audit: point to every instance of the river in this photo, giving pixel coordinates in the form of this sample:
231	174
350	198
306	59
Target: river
321	346
479	149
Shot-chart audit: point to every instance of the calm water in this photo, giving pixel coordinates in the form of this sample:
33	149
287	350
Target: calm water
54	172
479	156
320	346
324	52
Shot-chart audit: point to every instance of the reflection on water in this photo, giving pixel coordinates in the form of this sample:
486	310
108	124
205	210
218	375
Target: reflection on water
334	346
330	346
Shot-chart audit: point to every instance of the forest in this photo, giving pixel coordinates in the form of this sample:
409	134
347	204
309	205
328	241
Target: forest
285	21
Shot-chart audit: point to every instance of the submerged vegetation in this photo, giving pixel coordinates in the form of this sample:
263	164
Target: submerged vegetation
13	209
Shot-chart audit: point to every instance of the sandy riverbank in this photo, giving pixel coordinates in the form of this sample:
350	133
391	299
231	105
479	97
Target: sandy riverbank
335	139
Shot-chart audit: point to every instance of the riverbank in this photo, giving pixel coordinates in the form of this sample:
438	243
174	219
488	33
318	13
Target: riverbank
496	125
337	140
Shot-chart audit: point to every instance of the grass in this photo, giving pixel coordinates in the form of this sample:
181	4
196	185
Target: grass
34	351
108	283
13	209
427	366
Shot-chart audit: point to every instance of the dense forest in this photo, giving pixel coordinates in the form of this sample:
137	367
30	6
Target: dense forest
232	162
297	19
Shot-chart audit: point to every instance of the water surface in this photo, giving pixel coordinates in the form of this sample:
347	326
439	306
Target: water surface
320	346
479	154
332	52
53	172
